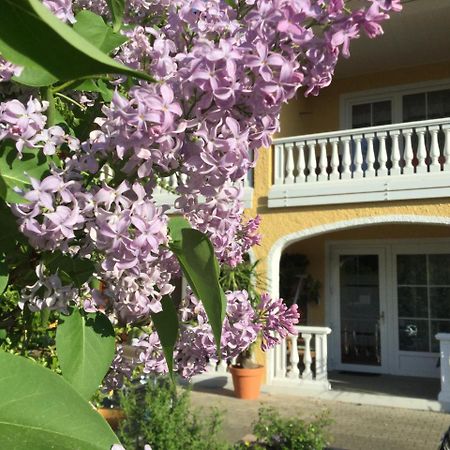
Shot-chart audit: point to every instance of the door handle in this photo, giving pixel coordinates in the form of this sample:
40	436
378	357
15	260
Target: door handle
382	316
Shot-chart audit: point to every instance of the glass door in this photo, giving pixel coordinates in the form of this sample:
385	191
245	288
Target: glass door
360	280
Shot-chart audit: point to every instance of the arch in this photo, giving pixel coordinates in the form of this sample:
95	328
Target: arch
273	258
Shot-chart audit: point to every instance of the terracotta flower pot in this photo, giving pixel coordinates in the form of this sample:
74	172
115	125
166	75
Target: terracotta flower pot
112	416
247	382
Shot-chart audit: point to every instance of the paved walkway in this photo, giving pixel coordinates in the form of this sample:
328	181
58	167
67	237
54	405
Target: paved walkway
355	427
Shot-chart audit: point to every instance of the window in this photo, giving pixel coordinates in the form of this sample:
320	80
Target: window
371	114
423	289
426	105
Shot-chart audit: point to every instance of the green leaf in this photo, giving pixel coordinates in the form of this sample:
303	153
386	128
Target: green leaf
117	8
176	224
10	233
4	274
166	325
75	271
39	410
94	29
196	256
15	172
96	86
50	50
85	346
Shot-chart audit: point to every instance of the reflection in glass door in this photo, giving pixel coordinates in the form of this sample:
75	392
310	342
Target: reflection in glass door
360	309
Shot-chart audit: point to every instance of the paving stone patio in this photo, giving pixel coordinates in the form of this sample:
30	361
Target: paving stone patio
354	427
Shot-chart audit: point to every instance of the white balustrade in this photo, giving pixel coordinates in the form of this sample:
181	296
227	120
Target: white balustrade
311	345
390	158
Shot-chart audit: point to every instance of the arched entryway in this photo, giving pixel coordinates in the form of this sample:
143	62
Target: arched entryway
391	268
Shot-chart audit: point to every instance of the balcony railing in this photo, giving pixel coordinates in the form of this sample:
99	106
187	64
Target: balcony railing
302	359
391	162
167	197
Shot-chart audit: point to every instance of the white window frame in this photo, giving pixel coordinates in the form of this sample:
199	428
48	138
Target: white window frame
392	93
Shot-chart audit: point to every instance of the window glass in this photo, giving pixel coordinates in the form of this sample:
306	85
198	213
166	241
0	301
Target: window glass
361	116
423	293
413	335
413	301
438	104
414	107
412	269
381	112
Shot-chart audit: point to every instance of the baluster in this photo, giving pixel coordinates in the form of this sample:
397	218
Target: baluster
358	158
321	356
293	371
370	156
173	181
312	162
279	164
446	130
435	152
382	154
421	151
289	179
408	154
334	162
346	159
212	366
323	161
301	165
307	360
222	367
395	154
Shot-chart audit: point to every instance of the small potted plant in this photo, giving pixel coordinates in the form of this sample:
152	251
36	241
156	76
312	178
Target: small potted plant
272	321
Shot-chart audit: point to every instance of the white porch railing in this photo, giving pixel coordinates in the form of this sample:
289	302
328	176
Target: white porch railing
390	162
309	348
166	197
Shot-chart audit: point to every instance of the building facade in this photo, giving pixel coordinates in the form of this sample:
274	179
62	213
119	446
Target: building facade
357	184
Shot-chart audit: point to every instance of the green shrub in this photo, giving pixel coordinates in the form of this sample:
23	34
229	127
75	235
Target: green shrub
274	432
159	415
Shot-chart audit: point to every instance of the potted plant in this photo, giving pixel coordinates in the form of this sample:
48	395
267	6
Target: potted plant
247	374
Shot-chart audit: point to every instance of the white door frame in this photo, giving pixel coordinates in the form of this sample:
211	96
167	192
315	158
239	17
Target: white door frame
390	352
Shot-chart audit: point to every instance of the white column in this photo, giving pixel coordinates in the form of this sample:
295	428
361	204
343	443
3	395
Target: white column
435	152
307	359
408	154
301	165
346	159
323	160
421	151
395	154
312	162
279	164
370	157
444	345
289	179
382	154
334	162
293	371
358	159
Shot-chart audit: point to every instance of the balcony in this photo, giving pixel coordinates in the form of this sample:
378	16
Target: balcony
167	195
384	163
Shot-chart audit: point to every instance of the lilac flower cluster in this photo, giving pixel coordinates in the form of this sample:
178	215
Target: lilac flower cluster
48	292
222	74
242	325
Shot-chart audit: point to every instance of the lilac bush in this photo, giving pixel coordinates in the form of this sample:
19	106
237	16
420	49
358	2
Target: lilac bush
221	72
